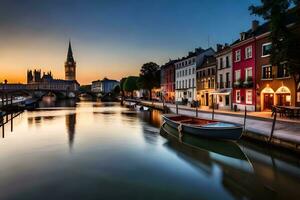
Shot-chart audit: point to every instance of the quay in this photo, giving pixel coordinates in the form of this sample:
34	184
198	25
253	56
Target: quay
258	125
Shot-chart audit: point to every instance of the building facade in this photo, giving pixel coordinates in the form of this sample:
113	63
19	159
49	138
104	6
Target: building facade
206	77
168	81
185	70
104	86
244	83
70	65
223	94
275	86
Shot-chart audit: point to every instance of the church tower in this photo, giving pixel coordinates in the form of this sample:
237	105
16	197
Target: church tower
70	65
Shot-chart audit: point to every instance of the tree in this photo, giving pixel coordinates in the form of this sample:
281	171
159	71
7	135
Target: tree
131	84
122	81
285	40
149	77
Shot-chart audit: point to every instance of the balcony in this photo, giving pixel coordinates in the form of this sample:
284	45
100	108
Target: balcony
238	83
248	83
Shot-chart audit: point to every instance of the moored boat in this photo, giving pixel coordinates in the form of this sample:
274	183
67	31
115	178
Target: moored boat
210	129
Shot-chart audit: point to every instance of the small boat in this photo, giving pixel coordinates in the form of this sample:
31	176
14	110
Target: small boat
210	129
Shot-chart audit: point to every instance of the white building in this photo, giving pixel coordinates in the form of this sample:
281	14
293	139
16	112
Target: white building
222	95
104	86
185	75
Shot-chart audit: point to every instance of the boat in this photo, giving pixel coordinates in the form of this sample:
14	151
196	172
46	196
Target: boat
224	147
203	128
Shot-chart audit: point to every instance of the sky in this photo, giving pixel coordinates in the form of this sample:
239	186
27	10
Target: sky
111	38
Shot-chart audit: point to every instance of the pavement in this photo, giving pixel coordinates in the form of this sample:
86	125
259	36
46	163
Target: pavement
256	122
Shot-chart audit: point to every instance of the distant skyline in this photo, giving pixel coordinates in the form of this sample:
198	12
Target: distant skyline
111	38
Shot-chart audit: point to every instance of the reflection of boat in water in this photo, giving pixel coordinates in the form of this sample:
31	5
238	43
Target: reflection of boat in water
226	148
204	128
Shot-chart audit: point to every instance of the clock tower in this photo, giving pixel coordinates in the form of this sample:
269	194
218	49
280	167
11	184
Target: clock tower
70	65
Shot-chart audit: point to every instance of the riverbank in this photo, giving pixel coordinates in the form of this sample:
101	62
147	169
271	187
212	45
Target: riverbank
258	125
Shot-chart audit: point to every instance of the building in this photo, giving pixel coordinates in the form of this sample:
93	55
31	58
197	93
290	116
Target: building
168	81
222	95
185	75
104	86
244	68
96	86
275	86
206	77
70	65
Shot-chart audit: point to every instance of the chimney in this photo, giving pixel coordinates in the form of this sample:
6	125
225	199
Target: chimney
255	24
219	47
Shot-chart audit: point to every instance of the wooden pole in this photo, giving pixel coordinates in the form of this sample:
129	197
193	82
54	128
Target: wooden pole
213	112
245	116
273	126
196	110
11	122
2	126
176	108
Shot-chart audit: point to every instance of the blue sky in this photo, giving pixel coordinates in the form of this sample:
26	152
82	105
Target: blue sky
112	38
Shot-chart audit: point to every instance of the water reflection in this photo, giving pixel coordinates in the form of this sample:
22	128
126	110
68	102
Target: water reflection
71	125
117	155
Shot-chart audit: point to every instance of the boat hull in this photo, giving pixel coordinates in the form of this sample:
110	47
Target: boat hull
222	133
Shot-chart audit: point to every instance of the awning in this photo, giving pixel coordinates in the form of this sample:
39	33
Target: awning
226	91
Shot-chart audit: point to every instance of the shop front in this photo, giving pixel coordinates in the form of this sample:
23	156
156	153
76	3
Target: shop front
222	98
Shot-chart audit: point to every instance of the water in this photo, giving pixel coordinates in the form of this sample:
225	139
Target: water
103	151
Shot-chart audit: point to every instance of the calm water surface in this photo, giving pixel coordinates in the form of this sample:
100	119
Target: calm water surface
102	151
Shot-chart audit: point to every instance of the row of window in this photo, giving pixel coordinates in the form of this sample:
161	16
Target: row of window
206	72
266	51
248	74
185	83
267	71
227	63
186	62
185	72
249	94
207	83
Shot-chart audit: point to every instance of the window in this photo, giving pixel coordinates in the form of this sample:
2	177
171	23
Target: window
193	70
227	80
266	49
212	83
208	83
194	60
266	72
185	83
282	71
227	62
237	75
238	96
189	83
221	63
248	73
248	52
248	96
221	81
237	55
186	72
190	71
193	82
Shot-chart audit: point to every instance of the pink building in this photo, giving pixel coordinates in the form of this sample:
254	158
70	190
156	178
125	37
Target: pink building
243	59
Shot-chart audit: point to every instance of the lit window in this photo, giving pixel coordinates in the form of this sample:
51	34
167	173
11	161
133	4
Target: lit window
248	74
266	72
237	75
248	96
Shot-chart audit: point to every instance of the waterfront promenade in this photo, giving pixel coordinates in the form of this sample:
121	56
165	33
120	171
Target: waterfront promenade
258	124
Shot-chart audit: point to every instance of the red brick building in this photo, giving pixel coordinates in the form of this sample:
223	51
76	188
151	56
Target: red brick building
168	81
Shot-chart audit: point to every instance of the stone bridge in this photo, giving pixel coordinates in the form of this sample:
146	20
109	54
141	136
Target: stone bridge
61	88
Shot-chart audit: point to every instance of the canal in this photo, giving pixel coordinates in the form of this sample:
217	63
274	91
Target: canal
94	150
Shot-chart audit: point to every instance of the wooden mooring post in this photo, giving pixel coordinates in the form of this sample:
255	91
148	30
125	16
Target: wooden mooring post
176	108
213	111
273	126
196	110
245	117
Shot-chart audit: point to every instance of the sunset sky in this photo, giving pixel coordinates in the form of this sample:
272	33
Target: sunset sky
111	38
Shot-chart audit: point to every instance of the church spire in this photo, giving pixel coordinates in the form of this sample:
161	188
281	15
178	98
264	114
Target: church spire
70	53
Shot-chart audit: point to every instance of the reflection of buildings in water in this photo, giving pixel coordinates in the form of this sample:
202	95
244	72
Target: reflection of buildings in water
153	117
37	120
70	125
58	103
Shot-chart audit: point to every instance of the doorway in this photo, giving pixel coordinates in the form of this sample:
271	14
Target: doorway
268	101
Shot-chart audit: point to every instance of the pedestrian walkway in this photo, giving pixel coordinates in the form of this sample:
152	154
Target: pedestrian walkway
260	123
